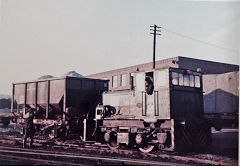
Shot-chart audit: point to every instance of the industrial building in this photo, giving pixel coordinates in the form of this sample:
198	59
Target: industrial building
220	85
120	79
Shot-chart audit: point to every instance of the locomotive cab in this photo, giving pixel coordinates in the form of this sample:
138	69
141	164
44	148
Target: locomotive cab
164	109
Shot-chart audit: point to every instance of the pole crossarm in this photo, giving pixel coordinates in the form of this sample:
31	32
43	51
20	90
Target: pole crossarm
155	30
152	26
154	34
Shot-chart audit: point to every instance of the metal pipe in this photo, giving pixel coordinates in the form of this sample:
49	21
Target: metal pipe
48	98
12	104
36	94
65	99
25	99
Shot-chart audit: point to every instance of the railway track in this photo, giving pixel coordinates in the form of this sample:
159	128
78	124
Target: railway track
97	153
9	159
49	157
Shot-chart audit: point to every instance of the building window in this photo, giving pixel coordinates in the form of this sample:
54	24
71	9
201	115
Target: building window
123	80
114	81
132	80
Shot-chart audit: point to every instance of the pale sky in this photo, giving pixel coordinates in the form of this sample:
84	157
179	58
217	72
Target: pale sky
39	37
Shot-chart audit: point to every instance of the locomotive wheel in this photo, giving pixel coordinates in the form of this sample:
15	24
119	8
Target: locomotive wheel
113	145
146	148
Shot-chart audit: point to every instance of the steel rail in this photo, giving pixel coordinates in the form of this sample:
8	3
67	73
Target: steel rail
161	155
8	159
106	159
17	159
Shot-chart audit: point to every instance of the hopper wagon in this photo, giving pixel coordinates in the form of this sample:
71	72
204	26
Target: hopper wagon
61	105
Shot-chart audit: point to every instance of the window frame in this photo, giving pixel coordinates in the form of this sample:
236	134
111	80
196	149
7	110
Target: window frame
114	82
121	80
181	79
177	76
198	81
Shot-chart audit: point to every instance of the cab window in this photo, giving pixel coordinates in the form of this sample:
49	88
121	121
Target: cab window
190	80
180	79
186	80
174	78
197	81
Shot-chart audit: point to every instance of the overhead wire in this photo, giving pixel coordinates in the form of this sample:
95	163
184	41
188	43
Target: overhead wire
200	41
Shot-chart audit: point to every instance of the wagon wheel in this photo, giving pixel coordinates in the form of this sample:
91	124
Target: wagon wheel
146	148
51	134
60	136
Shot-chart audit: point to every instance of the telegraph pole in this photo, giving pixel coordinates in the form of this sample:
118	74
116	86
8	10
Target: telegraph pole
154	33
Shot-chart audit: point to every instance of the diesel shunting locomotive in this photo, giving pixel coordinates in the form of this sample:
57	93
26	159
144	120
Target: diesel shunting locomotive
163	109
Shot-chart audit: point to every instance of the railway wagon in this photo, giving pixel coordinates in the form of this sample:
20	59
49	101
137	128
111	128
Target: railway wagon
61	105
221	99
163	109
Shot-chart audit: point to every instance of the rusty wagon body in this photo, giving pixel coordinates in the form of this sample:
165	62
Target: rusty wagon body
61	104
